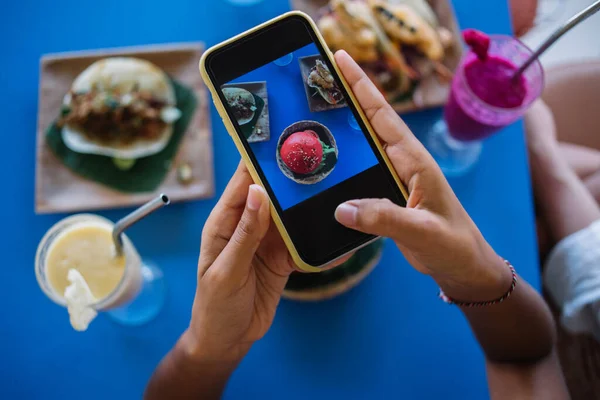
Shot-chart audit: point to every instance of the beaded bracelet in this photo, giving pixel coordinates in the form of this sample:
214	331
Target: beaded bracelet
448	300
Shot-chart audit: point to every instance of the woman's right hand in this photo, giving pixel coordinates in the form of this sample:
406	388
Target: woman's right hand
437	236
434	232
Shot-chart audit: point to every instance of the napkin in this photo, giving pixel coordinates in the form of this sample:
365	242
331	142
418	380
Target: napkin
572	279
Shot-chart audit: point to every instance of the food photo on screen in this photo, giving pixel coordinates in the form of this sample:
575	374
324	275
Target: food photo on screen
311	145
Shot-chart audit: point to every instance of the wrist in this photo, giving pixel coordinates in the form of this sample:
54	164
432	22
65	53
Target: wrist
193	351
187	372
487	278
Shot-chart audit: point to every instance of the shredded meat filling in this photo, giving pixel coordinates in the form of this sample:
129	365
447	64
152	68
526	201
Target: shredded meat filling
109	117
242	107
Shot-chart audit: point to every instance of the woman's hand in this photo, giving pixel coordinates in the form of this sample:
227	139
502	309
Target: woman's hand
242	271
434	232
438	238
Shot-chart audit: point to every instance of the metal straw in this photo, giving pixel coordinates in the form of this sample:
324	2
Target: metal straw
570	24
124	223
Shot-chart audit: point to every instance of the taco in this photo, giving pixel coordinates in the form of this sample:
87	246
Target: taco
242	104
119	107
321	79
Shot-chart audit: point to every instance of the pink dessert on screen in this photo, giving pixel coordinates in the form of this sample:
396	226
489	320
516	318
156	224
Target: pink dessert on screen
489	78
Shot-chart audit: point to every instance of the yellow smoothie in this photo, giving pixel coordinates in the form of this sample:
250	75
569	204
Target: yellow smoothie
77	267
88	248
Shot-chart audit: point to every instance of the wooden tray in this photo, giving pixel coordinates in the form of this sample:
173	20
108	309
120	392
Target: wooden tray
57	189
430	92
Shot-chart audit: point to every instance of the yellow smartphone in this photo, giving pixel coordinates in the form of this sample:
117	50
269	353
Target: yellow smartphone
301	133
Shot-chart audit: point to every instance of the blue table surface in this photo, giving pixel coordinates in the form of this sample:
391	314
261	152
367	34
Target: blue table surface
388	338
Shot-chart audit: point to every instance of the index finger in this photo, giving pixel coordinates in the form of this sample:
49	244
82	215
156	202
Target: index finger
223	219
234	195
387	124
403	148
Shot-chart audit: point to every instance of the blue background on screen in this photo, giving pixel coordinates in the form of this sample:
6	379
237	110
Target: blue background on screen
288	104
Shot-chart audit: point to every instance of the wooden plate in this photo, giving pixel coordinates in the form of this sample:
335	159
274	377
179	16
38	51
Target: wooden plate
57	189
337	288
431	92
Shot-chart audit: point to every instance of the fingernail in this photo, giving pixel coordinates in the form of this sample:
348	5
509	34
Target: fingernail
255	197
346	214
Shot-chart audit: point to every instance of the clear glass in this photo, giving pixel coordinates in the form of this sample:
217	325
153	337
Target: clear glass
135	300
549	11
455	142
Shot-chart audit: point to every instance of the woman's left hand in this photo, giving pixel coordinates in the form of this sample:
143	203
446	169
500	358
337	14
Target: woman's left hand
242	271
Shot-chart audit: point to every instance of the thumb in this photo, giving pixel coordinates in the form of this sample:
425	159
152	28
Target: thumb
248	234
378	217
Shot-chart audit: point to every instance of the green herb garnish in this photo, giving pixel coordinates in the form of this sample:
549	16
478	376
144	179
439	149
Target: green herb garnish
326	150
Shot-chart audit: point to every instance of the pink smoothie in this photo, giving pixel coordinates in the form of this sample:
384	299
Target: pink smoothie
485	85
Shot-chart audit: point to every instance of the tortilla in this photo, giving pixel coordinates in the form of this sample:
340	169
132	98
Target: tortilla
125	74
232	93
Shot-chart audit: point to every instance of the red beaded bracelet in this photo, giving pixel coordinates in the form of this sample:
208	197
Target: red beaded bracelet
449	300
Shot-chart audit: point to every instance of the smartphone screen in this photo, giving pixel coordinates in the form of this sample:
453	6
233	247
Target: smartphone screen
304	136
